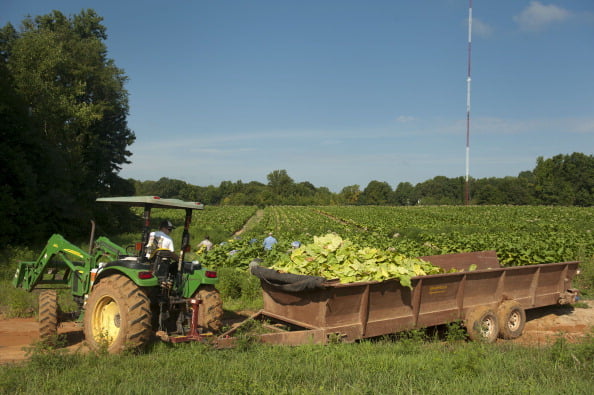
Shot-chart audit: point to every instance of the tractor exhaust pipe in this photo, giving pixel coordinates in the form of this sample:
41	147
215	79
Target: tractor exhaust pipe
92	239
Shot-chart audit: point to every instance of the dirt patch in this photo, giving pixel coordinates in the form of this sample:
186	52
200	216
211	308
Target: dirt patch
18	335
250	223
544	326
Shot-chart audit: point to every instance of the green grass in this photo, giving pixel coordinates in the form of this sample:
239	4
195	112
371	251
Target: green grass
15	302
379	367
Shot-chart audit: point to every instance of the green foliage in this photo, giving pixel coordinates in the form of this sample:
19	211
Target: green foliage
15	302
585	280
377	193
565	179
331	257
520	235
46	350
455	331
239	287
65	136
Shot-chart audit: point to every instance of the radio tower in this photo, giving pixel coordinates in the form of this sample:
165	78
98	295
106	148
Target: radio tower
468	79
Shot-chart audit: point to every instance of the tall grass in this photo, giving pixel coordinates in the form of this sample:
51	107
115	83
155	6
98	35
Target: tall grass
239	289
380	367
15	302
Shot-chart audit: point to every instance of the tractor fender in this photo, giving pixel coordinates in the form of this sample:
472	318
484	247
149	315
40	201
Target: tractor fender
140	276
192	281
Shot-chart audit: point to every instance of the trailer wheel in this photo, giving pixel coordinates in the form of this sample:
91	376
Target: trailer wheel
210	311
482	325
117	316
48	314
512	319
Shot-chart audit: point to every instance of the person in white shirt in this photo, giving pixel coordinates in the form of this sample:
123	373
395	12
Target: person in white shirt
161	238
205	244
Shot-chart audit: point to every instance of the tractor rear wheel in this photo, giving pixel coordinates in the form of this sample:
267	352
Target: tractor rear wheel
48	314
210	311
117	316
482	324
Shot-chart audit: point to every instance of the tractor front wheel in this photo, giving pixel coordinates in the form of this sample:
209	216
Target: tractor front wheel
210	310
117	315
48	315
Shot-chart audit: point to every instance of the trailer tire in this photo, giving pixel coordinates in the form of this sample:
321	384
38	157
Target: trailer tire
210	310
482	324
48	315
118	315
512	319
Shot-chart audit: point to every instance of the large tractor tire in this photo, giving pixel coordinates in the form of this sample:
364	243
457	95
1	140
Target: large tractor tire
512	319
117	316
482	324
210	310
48	315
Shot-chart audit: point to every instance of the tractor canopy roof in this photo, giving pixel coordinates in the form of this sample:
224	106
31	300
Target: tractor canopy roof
152	201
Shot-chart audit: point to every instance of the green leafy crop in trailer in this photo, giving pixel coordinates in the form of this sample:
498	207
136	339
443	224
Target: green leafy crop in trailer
332	257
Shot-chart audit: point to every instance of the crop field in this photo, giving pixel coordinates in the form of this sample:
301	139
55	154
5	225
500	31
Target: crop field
520	235
412	363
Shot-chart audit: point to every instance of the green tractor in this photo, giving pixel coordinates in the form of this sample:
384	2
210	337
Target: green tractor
125	296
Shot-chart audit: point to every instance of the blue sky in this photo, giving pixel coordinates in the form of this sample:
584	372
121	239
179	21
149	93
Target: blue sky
344	92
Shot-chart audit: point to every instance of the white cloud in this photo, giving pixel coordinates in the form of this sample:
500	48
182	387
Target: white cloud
481	28
538	16
405	118
583	125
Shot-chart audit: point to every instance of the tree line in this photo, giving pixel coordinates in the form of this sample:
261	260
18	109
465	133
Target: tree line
561	180
65	138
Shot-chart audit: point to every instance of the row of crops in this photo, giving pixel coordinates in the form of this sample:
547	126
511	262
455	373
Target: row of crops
520	235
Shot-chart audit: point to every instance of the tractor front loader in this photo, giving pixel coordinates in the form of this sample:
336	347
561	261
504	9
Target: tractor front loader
126	296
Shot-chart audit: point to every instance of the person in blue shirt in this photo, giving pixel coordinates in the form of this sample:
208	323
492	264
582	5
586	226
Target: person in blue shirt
269	242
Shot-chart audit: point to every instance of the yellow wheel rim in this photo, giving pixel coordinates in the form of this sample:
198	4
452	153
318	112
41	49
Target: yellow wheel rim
106	320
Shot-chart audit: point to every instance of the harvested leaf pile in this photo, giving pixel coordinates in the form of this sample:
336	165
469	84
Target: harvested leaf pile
332	257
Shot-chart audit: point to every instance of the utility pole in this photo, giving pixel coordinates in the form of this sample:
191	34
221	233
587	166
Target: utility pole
468	79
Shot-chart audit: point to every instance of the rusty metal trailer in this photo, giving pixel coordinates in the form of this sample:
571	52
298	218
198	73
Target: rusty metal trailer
490	300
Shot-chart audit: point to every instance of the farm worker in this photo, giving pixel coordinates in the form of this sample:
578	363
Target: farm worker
269	242
161	238
205	244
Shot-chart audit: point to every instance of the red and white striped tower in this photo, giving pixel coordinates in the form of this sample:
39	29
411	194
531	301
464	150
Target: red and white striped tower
468	79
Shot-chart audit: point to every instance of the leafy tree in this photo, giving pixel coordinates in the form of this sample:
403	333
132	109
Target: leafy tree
324	196
565	179
75	108
350	194
487	191
305	188
169	188
403	194
441	190
21	159
280	183
376	193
